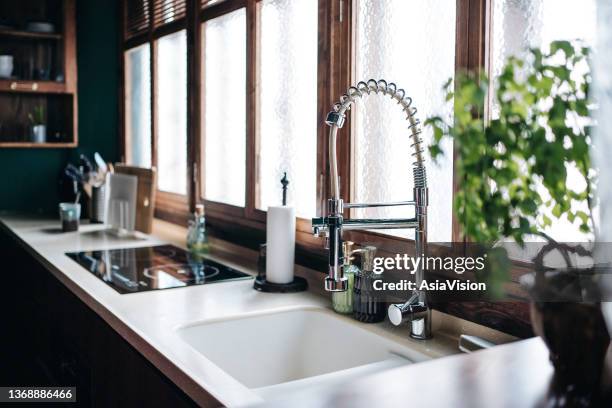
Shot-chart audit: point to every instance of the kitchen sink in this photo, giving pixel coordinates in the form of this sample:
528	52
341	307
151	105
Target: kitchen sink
291	346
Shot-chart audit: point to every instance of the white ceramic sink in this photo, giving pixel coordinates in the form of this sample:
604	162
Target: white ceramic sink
269	349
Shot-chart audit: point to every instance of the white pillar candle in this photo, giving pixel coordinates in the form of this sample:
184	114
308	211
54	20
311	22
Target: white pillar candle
280	237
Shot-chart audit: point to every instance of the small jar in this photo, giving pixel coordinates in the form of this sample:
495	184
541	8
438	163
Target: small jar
368	304
342	302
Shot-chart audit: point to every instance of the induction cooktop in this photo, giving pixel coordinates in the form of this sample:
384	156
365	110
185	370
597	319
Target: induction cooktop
130	270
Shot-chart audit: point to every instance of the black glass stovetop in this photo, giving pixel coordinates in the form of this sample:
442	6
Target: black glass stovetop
130	270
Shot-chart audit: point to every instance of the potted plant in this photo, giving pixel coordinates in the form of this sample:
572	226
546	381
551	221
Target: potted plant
39	129
513	170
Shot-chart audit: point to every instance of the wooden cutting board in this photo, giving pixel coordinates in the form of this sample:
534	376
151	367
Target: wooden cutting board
145	194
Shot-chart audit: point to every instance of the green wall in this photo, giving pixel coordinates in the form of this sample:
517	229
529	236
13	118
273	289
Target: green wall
28	177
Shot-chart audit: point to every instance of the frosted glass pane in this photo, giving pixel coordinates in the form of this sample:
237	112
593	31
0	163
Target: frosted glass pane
224	108
288	104
138	105
415	48
602	86
171	103
521	24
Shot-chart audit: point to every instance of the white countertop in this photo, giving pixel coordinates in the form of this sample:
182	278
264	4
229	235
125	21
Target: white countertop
151	318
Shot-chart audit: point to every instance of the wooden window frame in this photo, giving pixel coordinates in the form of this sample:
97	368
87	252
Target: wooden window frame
168	206
335	75
246	225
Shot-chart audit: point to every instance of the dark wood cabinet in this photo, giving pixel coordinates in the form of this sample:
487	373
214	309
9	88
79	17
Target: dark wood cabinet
51	338
38	73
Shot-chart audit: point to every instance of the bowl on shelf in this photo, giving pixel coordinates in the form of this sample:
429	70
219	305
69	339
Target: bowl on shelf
40	27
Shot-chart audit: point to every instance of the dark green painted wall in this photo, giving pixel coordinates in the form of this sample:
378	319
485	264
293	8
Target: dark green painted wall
28	177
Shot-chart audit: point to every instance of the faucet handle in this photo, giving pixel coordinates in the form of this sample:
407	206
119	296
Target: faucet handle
401	312
398	313
318	226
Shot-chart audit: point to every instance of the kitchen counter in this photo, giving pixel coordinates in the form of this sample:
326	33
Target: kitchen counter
510	375
149	322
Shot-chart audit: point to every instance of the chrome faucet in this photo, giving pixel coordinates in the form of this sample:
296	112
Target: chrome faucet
416	309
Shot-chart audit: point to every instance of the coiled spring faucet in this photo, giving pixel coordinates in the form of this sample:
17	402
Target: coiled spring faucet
416	309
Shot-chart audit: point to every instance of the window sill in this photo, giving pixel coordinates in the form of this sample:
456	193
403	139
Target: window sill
233	253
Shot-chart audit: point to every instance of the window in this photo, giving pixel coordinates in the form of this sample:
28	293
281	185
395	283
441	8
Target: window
242	87
234	94
521	24
288	104
382	149
259	98
267	71
156	98
224	96
171	102
138	105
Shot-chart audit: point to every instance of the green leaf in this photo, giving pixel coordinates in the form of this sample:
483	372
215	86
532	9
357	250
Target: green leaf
534	137
565	46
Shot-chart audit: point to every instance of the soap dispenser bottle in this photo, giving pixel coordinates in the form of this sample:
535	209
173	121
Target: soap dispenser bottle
368	304
197	239
342	302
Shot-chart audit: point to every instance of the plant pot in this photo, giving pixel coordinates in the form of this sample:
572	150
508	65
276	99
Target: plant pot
574	331
39	133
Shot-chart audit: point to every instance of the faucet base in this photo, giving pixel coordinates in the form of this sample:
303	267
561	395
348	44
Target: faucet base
418	331
420	324
333	285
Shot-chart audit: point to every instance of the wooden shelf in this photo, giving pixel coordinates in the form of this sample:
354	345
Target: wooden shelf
36	52
16	85
30	35
39	145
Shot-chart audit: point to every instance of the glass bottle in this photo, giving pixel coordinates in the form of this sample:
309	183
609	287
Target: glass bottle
197	240
368	304
342	302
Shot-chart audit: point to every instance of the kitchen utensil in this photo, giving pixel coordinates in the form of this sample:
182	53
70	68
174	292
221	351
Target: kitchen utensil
100	163
86	164
73	173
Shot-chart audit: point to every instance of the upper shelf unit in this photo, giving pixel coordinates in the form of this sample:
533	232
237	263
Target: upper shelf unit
11	33
38	74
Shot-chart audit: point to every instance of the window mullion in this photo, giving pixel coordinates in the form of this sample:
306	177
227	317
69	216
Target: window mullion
153	73
471	55
194	50
252	108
